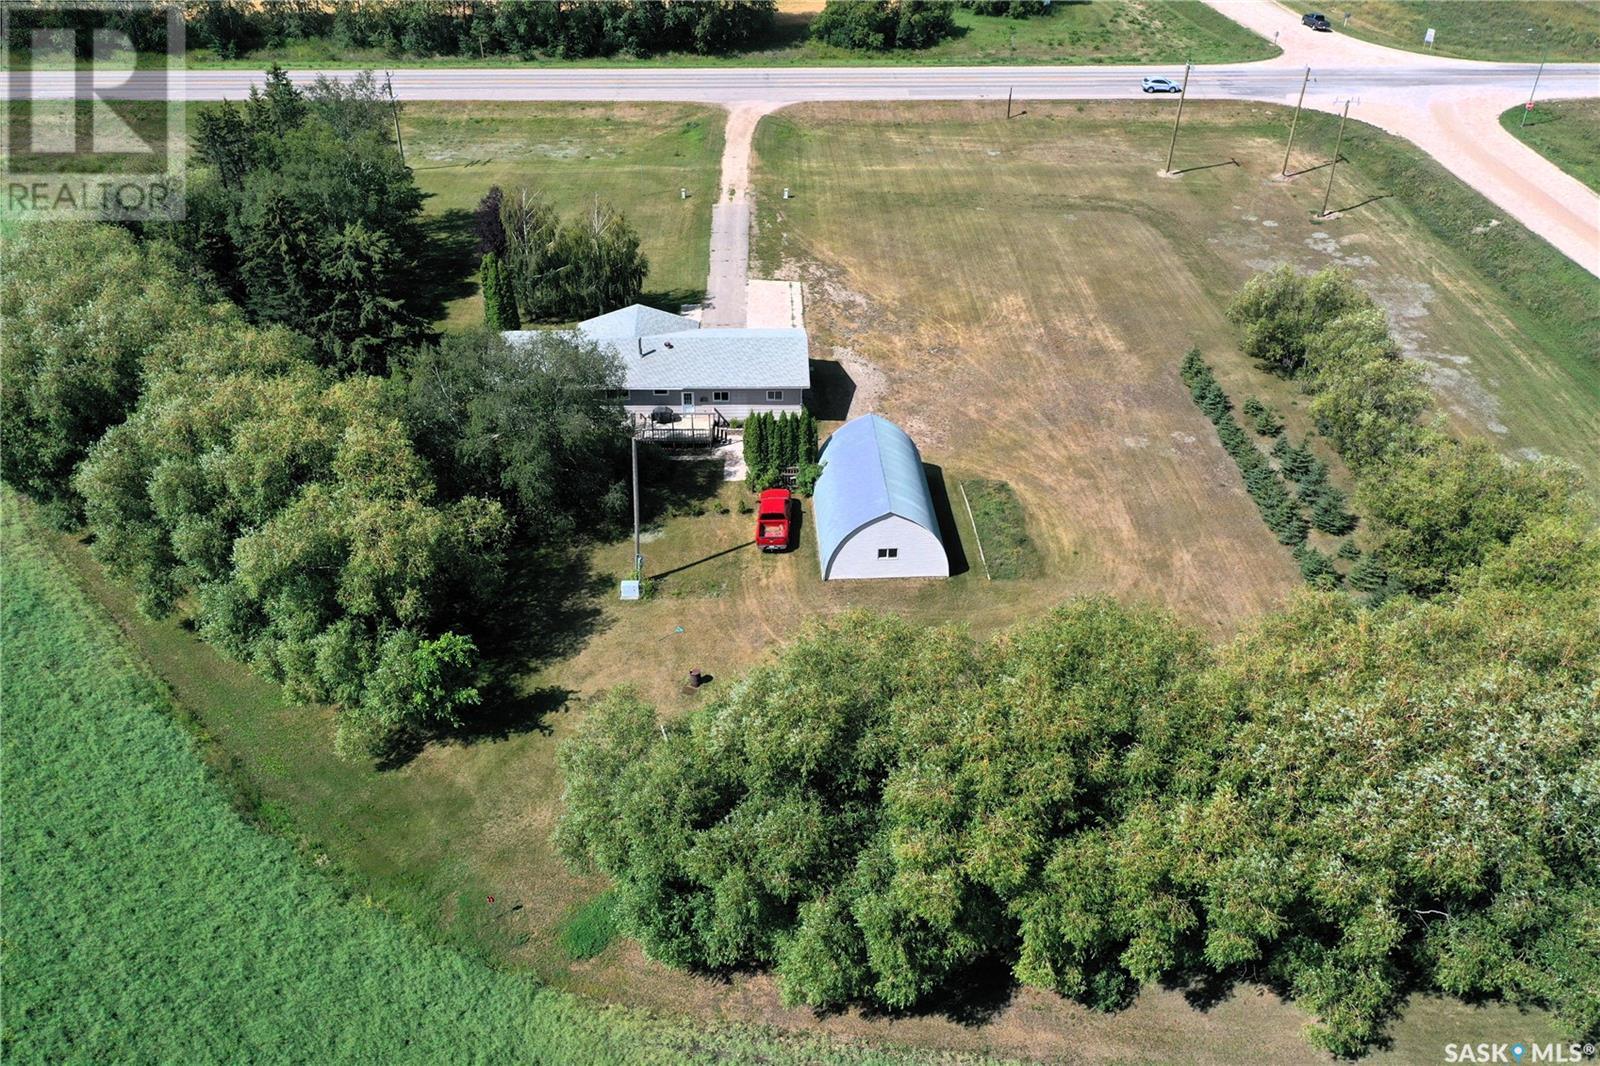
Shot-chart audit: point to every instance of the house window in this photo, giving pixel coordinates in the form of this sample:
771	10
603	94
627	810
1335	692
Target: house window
888	553
719	397
774	394
661	392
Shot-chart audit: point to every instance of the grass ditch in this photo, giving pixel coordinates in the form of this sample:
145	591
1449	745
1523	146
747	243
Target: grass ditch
1566	132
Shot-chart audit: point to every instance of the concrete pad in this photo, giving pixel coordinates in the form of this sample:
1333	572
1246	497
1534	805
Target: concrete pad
774	305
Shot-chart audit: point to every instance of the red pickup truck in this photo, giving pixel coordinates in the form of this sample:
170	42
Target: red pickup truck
772	520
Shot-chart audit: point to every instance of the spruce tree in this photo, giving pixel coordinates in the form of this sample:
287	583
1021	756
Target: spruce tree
489	283
1368	575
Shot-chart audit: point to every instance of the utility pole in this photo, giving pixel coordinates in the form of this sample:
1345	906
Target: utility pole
1543	55
394	110
1337	144
638	559
1008	103
1295	122
1182	95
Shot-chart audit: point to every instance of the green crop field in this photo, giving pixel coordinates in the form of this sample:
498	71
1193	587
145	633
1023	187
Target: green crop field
1566	132
146	922
1506	30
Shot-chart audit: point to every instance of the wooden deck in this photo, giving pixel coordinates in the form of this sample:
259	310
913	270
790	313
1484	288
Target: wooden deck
696	429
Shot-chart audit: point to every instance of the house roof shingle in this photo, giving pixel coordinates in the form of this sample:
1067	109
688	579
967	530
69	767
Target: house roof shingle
677	354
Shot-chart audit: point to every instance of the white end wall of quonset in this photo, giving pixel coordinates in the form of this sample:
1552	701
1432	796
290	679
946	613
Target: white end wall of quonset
890	547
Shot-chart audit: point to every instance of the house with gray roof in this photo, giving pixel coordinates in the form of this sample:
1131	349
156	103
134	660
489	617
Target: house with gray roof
874	512
670	361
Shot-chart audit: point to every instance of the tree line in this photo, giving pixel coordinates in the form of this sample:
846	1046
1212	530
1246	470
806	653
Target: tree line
566	29
537	267
1346	804
348	519
527	29
1435	504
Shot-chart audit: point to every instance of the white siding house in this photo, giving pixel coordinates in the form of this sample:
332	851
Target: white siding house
670	361
874	513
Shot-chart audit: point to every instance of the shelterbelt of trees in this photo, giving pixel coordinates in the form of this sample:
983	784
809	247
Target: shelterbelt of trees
528	29
329	495
1349	802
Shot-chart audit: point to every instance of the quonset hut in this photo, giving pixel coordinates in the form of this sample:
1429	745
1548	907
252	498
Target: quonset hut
874	513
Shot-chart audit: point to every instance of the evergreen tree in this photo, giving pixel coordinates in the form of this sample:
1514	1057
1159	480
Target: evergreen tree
1368	574
754	446
1329	514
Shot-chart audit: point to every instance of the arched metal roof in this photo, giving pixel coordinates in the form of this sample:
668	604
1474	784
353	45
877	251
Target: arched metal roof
870	469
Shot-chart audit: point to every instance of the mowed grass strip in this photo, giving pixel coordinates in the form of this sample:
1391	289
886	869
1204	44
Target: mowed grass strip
1505	30
1002	529
145	921
1566	132
636	157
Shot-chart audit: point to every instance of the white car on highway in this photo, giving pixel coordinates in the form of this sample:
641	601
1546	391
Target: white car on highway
1160	85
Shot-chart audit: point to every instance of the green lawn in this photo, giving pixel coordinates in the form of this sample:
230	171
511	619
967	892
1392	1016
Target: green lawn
1566	132
1474	29
146	922
634	156
1104	31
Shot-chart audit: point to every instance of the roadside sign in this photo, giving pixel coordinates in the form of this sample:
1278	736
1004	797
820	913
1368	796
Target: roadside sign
1427	38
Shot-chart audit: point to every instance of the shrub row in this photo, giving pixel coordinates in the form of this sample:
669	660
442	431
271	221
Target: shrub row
1435	504
1279	509
775	443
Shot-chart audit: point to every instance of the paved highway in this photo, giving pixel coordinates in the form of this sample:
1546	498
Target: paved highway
1271	81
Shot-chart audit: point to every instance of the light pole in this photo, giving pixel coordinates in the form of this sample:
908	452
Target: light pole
1337	144
394	111
1183	94
638	559
1544	54
1284	173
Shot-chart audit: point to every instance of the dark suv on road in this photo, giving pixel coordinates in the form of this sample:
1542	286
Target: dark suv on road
1316	21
